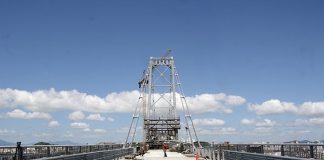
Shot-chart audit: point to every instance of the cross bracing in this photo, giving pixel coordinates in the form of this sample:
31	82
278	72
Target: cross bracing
161	97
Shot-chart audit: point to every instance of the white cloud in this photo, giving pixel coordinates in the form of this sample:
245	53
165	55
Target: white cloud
259	131
86	129
96	117
100	131
259	122
263	130
79	125
247	121
110	119
228	130
233	100
76	116
275	106
42	135
272	106
309	122
317	121
208	122
121	130
52	100
299	132
53	124
68	135
312	108
217	131
266	123
4	132
213	103
17	113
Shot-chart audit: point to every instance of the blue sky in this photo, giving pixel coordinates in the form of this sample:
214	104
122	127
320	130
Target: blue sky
269	53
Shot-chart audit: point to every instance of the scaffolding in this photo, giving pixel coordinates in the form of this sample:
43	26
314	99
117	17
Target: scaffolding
160	90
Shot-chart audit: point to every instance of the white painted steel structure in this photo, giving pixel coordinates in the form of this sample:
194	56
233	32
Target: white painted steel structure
160	97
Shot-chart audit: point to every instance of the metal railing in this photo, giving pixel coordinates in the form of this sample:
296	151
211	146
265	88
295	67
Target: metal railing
104	155
235	155
315	151
39	151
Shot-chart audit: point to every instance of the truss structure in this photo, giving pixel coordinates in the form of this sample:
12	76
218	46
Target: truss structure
160	97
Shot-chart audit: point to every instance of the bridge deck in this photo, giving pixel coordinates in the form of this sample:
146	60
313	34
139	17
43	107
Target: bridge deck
158	155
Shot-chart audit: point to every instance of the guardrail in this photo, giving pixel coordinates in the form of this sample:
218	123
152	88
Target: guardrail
39	151
315	151
235	155
109	154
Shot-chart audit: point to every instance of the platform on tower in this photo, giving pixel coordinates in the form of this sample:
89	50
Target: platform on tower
161	130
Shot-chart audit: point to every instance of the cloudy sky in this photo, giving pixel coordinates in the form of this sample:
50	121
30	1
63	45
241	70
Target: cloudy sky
252	70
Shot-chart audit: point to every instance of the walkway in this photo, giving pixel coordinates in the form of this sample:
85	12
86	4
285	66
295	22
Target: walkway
158	155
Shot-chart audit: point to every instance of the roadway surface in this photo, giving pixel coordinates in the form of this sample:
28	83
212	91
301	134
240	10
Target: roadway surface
158	155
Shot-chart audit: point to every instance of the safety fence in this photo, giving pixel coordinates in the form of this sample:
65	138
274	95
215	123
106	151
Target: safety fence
314	151
103	155
235	155
39	151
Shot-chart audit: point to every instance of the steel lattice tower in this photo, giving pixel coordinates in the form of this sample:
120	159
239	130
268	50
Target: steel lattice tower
160	96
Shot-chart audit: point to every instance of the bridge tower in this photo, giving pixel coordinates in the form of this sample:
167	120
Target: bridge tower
161	96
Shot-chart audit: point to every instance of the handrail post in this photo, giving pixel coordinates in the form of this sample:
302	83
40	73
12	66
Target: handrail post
66	150
311	151
282	150
48	149
19	152
223	155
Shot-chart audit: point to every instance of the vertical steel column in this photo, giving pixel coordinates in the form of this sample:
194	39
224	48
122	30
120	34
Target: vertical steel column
144	99
173	87
150	74
149	98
